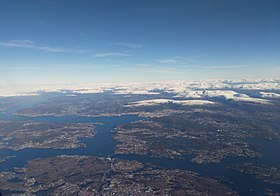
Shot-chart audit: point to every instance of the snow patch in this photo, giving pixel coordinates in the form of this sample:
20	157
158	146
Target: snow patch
270	95
153	102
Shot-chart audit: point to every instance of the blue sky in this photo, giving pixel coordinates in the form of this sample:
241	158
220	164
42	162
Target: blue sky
69	41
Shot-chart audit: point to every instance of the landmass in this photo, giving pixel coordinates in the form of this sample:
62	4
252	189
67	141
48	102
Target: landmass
16	135
83	175
208	133
268	174
176	136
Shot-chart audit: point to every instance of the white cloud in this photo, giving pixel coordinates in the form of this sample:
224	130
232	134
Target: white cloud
109	54
168	60
18	44
225	66
182	89
180	59
31	45
129	45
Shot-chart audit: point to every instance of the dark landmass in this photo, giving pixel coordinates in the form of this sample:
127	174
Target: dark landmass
90	105
111	104
269	175
16	135
208	134
7	103
82	175
154	139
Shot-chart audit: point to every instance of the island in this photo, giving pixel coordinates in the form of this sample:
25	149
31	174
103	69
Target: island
16	135
268	174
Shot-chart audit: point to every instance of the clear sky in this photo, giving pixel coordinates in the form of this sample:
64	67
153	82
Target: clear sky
68	41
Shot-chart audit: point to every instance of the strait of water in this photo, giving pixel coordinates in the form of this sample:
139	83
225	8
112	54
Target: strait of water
102	144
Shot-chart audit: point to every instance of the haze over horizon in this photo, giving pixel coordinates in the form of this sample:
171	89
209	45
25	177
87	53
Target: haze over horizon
54	42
